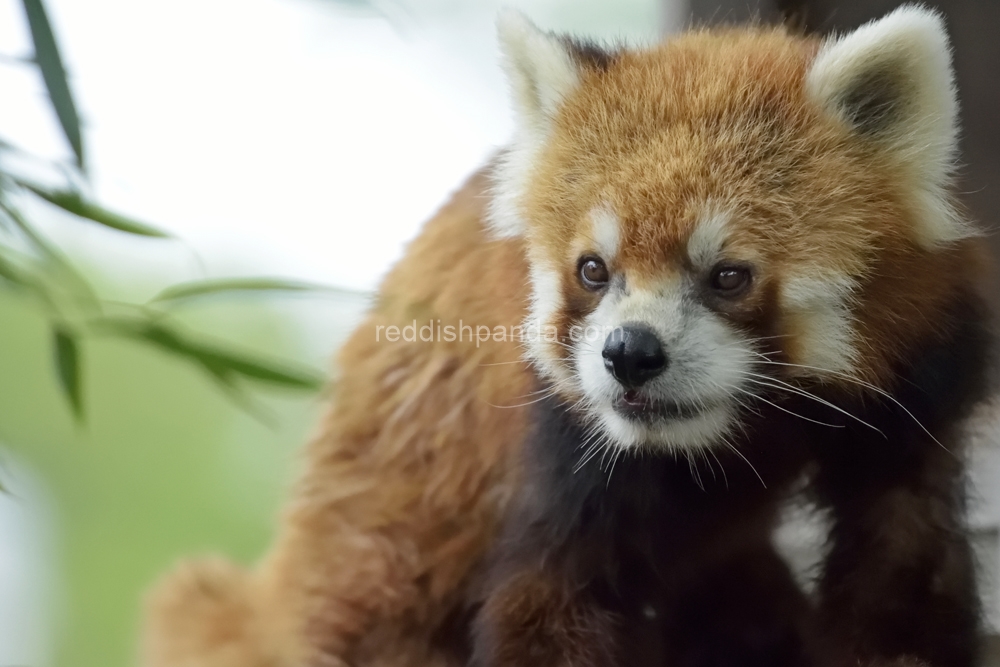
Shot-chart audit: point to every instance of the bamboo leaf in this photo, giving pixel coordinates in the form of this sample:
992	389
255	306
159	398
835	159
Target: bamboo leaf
67	360
238	395
218	362
260	370
207	287
37	241
52	254
20	277
11	274
10	146
54	74
73	203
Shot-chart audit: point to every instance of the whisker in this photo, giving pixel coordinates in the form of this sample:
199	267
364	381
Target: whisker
505	363
693	469
521	405
600	441
794	414
711	468
549	390
587	456
604	455
614	460
722	468
746	406
802	392
867	385
751	341
746	460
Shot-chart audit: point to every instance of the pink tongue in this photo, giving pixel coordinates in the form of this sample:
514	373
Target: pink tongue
632	397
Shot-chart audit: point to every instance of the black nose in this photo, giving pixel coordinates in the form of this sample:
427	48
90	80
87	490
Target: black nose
633	355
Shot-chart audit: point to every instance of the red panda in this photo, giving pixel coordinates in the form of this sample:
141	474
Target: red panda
733	261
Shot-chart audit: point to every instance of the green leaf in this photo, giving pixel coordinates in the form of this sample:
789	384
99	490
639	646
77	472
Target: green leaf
54	74
10	146
21	277
72	202
218	362
49	252
37	241
67	358
11	274
226	381
206	287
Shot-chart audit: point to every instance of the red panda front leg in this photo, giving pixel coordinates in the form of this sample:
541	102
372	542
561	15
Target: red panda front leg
898	586
536	617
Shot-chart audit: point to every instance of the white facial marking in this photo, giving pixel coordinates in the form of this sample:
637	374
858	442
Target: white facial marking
819	308
546	300
908	47
707	240
606	232
510	178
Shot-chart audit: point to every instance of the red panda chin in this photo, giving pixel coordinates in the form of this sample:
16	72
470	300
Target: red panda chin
673	428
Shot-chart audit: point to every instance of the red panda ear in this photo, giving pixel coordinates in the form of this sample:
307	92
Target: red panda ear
540	67
542	70
891	80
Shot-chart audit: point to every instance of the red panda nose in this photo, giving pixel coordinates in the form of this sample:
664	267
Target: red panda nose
633	355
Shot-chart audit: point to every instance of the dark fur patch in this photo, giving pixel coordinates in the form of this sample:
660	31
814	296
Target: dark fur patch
590	54
679	552
876	100
634	535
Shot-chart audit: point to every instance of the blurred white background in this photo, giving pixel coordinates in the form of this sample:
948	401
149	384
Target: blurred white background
302	137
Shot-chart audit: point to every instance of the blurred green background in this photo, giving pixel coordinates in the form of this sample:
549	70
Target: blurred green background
165	464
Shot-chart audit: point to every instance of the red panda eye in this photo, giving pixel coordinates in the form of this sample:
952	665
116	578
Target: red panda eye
730	280
593	273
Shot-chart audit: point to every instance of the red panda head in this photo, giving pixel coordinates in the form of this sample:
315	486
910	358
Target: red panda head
730	214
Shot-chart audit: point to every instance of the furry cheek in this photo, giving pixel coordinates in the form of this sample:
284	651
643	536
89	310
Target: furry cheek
540	341
820	326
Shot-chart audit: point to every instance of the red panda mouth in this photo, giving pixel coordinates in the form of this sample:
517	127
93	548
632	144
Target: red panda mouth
636	406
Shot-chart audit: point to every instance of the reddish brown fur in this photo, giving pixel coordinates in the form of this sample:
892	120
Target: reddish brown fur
412	468
402	487
723	117
539	610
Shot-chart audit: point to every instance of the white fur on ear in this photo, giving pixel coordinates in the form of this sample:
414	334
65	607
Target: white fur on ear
539	66
892	81
542	72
